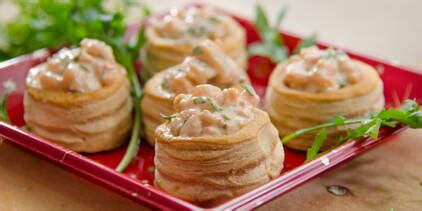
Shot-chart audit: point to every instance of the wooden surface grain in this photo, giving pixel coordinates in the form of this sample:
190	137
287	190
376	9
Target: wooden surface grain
385	178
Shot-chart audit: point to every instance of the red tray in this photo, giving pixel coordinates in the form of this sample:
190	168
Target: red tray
136	183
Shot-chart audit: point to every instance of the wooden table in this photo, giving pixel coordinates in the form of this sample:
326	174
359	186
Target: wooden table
384	178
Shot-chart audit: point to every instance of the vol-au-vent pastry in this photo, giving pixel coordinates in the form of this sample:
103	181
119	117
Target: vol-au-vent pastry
79	98
172	38
216	145
316	86
208	65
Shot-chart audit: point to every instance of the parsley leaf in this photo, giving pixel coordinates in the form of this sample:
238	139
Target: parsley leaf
316	145
272	44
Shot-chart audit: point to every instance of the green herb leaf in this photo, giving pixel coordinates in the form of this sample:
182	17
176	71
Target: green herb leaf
225	117
215	105
280	17
135	45
339	120
197	51
305	43
9	86
261	21
415	120
316	145
410	106
3	108
199	100
249	89
374	129
168	117
275	52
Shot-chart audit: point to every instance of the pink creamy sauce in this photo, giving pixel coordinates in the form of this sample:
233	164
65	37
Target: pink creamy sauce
87	68
210	111
315	70
188	25
208	65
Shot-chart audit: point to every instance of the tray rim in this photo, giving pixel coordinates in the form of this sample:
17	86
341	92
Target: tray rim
144	194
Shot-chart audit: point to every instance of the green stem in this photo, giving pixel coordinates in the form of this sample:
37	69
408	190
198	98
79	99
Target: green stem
297	133
124	58
135	140
133	146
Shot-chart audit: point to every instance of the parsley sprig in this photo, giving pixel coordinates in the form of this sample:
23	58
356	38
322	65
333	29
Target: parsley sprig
409	114
272	44
55	23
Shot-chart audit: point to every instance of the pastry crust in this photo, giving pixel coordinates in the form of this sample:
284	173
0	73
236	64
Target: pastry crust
155	103
161	53
292	109
90	122
213	169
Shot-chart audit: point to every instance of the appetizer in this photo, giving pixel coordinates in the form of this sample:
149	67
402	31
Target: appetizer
207	65
314	87
80	98
216	146
171	38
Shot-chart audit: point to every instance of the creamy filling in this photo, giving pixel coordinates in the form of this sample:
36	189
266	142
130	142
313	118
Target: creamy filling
87	68
189	25
315	70
208	64
210	111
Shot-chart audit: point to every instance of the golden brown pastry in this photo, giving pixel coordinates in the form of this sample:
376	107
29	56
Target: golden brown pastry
208	65
316	86
80	99
216	146
172	38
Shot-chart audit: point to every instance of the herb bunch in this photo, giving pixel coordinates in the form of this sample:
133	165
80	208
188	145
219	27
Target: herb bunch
56	23
272	44
409	114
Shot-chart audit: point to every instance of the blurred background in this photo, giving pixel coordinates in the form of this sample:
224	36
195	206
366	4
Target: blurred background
387	29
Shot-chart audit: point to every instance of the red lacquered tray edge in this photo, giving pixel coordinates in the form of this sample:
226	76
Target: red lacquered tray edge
146	195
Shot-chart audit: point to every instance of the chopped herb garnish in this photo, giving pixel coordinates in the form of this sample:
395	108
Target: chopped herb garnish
197	31
184	122
165	84
333	54
225	117
168	118
249	89
215	105
199	100
197	51
408	114
87	70
343	83
214	19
